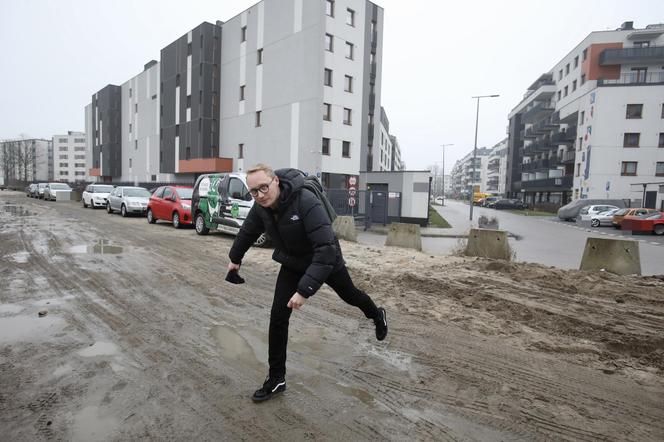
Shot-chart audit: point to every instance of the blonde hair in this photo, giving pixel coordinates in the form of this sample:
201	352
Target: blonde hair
261	167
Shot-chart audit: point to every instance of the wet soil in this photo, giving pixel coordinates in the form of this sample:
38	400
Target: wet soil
143	339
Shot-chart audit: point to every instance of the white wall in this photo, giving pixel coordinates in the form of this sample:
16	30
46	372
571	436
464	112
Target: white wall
69	157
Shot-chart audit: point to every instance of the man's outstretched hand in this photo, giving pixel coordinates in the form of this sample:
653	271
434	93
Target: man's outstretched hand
296	301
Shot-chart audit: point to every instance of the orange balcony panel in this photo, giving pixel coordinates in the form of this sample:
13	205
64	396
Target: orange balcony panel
205	165
94	172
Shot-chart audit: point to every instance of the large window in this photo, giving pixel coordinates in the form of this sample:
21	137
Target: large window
628	168
326	146
327	112
349	50
329	8
631	139
661	140
242	93
659	171
348	84
634	111
240	151
348	116
329	42
243	34
327	77
345	149
350	17
258	118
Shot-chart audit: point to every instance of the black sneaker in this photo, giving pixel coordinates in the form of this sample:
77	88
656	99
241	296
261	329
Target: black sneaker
381	324
271	387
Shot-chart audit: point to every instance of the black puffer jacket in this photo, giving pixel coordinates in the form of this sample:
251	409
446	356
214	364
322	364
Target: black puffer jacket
300	230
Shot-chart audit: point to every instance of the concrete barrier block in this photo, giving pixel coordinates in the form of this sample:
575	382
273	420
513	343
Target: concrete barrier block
404	235
488	243
613	255
344	228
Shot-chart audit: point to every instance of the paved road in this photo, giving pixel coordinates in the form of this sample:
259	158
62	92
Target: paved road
543	240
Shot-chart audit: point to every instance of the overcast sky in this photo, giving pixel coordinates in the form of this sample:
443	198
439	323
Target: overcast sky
436	55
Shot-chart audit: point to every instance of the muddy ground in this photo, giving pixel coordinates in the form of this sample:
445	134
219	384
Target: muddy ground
144	340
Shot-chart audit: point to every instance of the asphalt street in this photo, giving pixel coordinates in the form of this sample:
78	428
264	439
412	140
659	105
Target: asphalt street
539	239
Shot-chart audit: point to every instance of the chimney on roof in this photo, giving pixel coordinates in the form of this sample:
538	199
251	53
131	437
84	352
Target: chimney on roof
627	26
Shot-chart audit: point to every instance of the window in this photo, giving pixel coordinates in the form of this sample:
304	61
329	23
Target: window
565	93
241	92
135	144
79	140
573	85
585	54
578	169
661	140
177	80
62	148
64	164
129	127
659	169
79	157
641	44
345	149
631	140
188	101
558	95
79	149
327	112
329	42
347	116
576	61
240	151
634	111
583	79
580	143
243	34
567	69
259	56
329	8
129	162
326	146
328	77
177	130
129	92
79	173
349	50
258	118
64	172
64	140
63	157
187	153
136	108
350	17
639	75
662	110
628	168
560	74
188	48
583	117
348	83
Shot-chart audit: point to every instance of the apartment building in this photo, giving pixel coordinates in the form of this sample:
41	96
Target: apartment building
69	162
497	169
396	161
383	161
290	83
593	126
26	160
471	172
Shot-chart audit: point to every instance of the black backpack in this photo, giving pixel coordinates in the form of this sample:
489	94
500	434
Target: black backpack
313	184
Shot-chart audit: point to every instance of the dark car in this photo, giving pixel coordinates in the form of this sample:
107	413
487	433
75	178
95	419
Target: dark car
509	204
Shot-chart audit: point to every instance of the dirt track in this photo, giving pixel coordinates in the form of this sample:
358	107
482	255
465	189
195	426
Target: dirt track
146	340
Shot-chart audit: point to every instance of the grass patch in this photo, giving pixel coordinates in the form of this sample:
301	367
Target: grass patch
529	212
435	220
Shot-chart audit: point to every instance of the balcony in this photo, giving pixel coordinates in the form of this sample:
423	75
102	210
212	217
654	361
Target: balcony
565	137
543	145
568	157
634	79
653	54
546	184
543	164
493	165
536	111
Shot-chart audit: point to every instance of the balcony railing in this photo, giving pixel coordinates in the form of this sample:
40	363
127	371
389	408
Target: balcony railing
537	111
633	79
563	182
652	54
565	137
569	157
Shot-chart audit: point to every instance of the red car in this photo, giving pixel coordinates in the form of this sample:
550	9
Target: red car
171	203
650	223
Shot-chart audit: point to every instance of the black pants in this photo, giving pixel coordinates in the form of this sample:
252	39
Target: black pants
285	288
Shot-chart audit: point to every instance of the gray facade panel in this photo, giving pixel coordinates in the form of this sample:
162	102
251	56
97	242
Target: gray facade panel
107	124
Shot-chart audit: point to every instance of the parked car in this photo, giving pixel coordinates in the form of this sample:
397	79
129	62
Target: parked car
52	189
509	204
40	190
587	212
603	219
648	223
570	211
438	200
127	200
490	201
621	214
171	203
96	195
32	190
221	201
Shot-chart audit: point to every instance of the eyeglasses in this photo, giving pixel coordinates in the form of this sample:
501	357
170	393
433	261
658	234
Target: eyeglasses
263	188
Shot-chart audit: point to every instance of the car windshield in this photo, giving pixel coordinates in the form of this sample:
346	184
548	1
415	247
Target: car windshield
137	192
102	189
60	186
185	194
621	212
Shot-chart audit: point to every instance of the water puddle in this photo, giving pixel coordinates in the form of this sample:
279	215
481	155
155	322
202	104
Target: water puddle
99	349
101	247
361	395
28	328
16	210
398	360
91	424
233	346
20	257
10	309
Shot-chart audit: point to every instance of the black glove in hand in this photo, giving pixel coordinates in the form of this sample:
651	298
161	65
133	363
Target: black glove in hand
234	277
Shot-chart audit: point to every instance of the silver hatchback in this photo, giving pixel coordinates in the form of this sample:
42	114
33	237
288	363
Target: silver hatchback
128	200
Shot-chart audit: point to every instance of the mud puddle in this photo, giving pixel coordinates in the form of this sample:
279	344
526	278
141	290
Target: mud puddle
233	346
28	328
92	424
101	247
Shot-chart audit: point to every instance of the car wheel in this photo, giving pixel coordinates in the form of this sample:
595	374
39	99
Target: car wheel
176	220
85	205
150	217
108	208
201	228
123	210
594	222
659	229
263	241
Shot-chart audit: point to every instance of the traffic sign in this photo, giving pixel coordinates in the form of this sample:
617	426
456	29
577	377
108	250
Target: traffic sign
352	181
351	201
352	192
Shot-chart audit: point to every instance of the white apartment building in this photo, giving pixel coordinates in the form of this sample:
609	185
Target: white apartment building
69	157
470	173
497	169
593	126
26	160
397	162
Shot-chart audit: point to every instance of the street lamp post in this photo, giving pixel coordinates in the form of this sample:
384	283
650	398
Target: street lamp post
472	179
443	146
